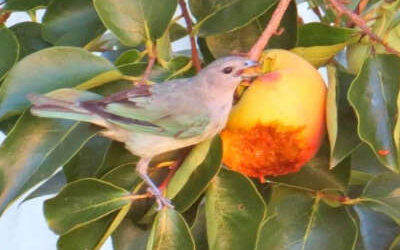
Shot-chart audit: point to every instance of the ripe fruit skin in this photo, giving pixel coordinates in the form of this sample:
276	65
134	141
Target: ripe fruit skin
278	124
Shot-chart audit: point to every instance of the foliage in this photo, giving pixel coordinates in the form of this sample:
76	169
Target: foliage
347	197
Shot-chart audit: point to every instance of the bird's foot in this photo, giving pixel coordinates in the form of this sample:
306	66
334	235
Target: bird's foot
160	199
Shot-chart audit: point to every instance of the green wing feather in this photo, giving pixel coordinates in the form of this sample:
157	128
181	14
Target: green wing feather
165	122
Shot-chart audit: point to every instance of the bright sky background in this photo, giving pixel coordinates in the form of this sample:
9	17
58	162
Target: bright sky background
22	227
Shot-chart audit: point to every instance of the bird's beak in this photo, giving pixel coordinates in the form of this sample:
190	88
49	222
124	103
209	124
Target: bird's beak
250	71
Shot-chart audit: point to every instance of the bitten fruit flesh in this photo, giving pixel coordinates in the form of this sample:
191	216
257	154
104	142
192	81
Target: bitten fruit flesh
278	123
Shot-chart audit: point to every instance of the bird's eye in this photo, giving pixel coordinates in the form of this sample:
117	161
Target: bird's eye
227	70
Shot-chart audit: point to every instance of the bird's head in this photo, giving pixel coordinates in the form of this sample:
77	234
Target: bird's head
228	71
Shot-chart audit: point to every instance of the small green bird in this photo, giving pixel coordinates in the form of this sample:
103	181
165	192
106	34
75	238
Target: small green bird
154	119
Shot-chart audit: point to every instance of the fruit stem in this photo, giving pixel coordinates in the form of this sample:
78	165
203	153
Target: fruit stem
189	27
152	54
271	29
358	21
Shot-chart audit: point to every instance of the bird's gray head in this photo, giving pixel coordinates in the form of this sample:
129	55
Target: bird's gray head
227	71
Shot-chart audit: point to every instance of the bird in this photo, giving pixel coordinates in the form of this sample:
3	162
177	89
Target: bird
158	118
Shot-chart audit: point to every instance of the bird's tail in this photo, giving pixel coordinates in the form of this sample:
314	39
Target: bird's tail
64	104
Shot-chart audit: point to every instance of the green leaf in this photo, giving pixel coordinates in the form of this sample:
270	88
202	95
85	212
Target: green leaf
319	34
88	160
124	176
135	21
199	228
373	95
316	174
50	69
234	211
29	37
129	56
341	120
35	149
223	16
9	50
176	32
129	236
381	195
377	230
82	202
93	235
364	159
319	55
195	173
7	125
21	5
169	232
299	221
318	42
51	186
117	155
71	23
243	39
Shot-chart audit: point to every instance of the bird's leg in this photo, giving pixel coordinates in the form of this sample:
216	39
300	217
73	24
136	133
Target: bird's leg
142	167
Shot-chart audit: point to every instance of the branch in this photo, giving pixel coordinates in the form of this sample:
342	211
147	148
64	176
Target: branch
358	21
270	30
189	27
152	54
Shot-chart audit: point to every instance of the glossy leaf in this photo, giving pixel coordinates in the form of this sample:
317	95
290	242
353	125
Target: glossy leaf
124	176
29	37
199	228
117	155
373	95
234	212
381	195
217	16
130	24
318	34
50	69
169	232
195	173
93	235
299	221
71	23
9	50
316	174
82	202
364	159
341	120
22	5
319	55
129	236
377	230
51	186
318	42
35	149
243	39
129	56
88	160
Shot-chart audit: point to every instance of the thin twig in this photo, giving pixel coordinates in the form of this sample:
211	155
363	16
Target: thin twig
152	54
189	27
358	21
270	30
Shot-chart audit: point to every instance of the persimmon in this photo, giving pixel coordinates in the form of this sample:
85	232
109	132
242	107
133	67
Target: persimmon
279	121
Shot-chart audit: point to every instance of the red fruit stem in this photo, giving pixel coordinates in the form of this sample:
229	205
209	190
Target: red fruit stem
152	54
358	21
189	27
271	29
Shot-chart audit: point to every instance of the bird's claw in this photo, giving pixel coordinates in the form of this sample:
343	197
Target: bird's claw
160	199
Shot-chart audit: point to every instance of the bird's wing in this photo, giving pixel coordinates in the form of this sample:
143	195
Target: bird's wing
159	110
